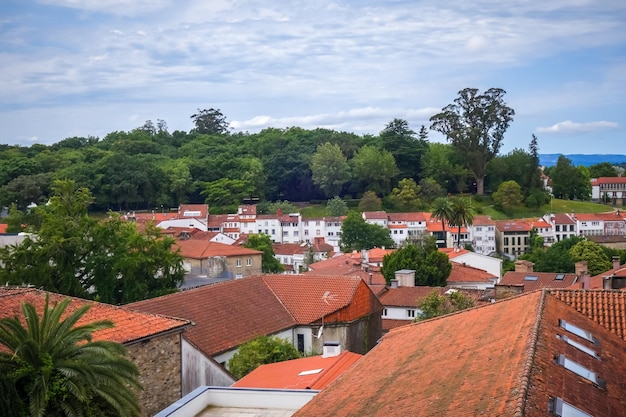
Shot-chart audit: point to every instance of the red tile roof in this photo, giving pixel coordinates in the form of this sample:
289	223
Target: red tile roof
464	273
130	326
536	280
202	249
408	217
406	296
3	228
195	211
587	217
513	226
233	312
483	221
494	360
562	218
288	248
454	252
375	215
608	180
287	374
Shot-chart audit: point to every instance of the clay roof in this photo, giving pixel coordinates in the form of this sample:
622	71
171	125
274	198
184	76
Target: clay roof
605	307
608	180
562	218
293	374
377	254
389	324
587	217
288	248
454	252
130	326
216	220
225	314
247	210
203	249
406	296
3	228
375	215
493	360
233	312
513	226
194	211
465	273
349	264
536	280
483	221
408	217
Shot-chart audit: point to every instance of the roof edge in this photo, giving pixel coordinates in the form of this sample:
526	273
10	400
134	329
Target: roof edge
528	365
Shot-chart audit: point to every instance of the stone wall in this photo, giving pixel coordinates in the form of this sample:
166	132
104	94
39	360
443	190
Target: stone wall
159	363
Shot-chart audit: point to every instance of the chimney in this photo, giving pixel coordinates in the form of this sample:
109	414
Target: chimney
331	349
405	277
279	212
580	268
524	266
394	283
585	280
616	263
370	278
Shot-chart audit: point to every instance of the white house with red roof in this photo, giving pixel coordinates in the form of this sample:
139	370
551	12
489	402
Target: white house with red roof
379	218
563	225
589	224
188	215
486	263
613	187
483	235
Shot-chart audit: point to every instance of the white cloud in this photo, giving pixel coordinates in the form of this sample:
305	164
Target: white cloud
572	127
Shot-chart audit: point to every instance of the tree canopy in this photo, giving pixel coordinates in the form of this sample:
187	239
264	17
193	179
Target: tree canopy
432	267
436	304
475	124
357	234
260	351
263	243
330	169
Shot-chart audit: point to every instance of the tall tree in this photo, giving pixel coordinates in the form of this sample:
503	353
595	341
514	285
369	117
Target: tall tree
330	169
357	234
57	368
407	149
210	122
569	182
462	215
432	267
370	202
602	169
597	261
336	207
405	197
374	167
475	124
442	211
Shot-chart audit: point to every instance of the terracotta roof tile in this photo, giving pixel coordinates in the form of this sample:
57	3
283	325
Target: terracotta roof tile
202	249
562	218
536	280
288	248
196	211
286	375
408	217
389	324
465	273
406	296
494	360
454	252
129	326
375	215
225	314
483	221
3	228
609	180
513	226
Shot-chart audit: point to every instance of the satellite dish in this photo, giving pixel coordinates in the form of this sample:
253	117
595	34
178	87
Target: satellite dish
319	332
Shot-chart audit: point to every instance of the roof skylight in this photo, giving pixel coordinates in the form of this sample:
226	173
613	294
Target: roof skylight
562	409
559	277
578	331
580	370
579	346
531	278
311	372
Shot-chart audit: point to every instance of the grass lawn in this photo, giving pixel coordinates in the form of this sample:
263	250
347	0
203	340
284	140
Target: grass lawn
556	206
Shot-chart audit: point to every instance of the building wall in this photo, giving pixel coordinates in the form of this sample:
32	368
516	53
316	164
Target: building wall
401	313
199	370
486	263
159	363
244	270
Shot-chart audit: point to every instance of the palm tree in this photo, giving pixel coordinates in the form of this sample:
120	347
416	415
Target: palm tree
462	214
442	210
59	370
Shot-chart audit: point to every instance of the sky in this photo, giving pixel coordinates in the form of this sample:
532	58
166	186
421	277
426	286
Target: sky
90	67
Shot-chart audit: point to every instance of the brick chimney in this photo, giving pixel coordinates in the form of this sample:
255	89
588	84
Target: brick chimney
405	277
580	268
616	263
585	280
524	266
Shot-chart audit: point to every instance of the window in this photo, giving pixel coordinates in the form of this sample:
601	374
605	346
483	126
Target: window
506	240
578	331
317	232
479	229
384	312
238	263
562	409
491	229
295	233
306	232
595	223
300	343
531	278
410	313
557	228
285	233
273	231
571	227
579	346
559	277
580	370
249	262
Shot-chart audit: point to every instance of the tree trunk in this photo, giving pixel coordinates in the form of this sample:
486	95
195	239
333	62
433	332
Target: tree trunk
480	185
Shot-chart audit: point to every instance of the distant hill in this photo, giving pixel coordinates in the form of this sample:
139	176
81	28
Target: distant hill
549	159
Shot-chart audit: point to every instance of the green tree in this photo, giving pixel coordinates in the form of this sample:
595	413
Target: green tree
406	196
357	234
602	169
407	150
441	210
597	260
569	182
225	193
75	254
508	196
475	124
462	215
262	242
57	368
436	304
336	207
432	267
370	202
260	351
430	190
210	122
443	163
374	167
330	169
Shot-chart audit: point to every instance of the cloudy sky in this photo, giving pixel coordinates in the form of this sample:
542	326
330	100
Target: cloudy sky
90	67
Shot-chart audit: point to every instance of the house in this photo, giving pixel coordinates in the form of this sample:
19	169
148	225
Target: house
483	235
464	276
532	355
350	265
563	224
312	372
513	237
611	188
589	224
306	310
614	278
217	260
476	260
543	229
292	256
525	279
400	304
152	342
379	218
188	215
403	226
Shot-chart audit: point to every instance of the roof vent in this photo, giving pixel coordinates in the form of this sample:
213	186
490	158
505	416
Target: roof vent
331	349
